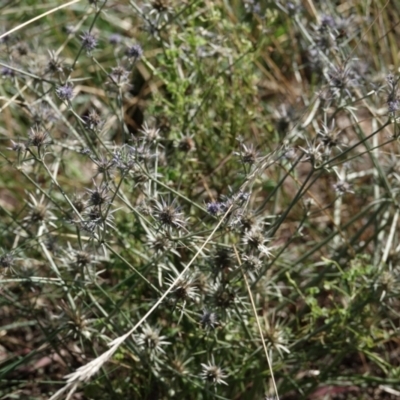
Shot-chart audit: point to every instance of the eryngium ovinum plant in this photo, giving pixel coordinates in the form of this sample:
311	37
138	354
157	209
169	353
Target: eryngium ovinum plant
199	200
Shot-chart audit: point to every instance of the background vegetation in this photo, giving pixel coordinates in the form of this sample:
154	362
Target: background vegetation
199	199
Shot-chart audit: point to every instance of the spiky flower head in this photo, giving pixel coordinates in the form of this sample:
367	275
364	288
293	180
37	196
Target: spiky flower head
54	64
21	49
149	134
124	158
17	146
247	154
83	259
186	144
119	76
96	219
213	208
254	239
157	12
161	243
6	260
89	42
209	320
78	321
93	120
151	341
185	288
168	215
330	136
276	337
223	296
7	72
37	137
341	79
179	363
65	92
222	260
244	221
104	165
135	52
342	187
39	210
79	203
213	374
115	39
314	154
251	263
98	195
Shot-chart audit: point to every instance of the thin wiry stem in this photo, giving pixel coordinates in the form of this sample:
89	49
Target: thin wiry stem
255	313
